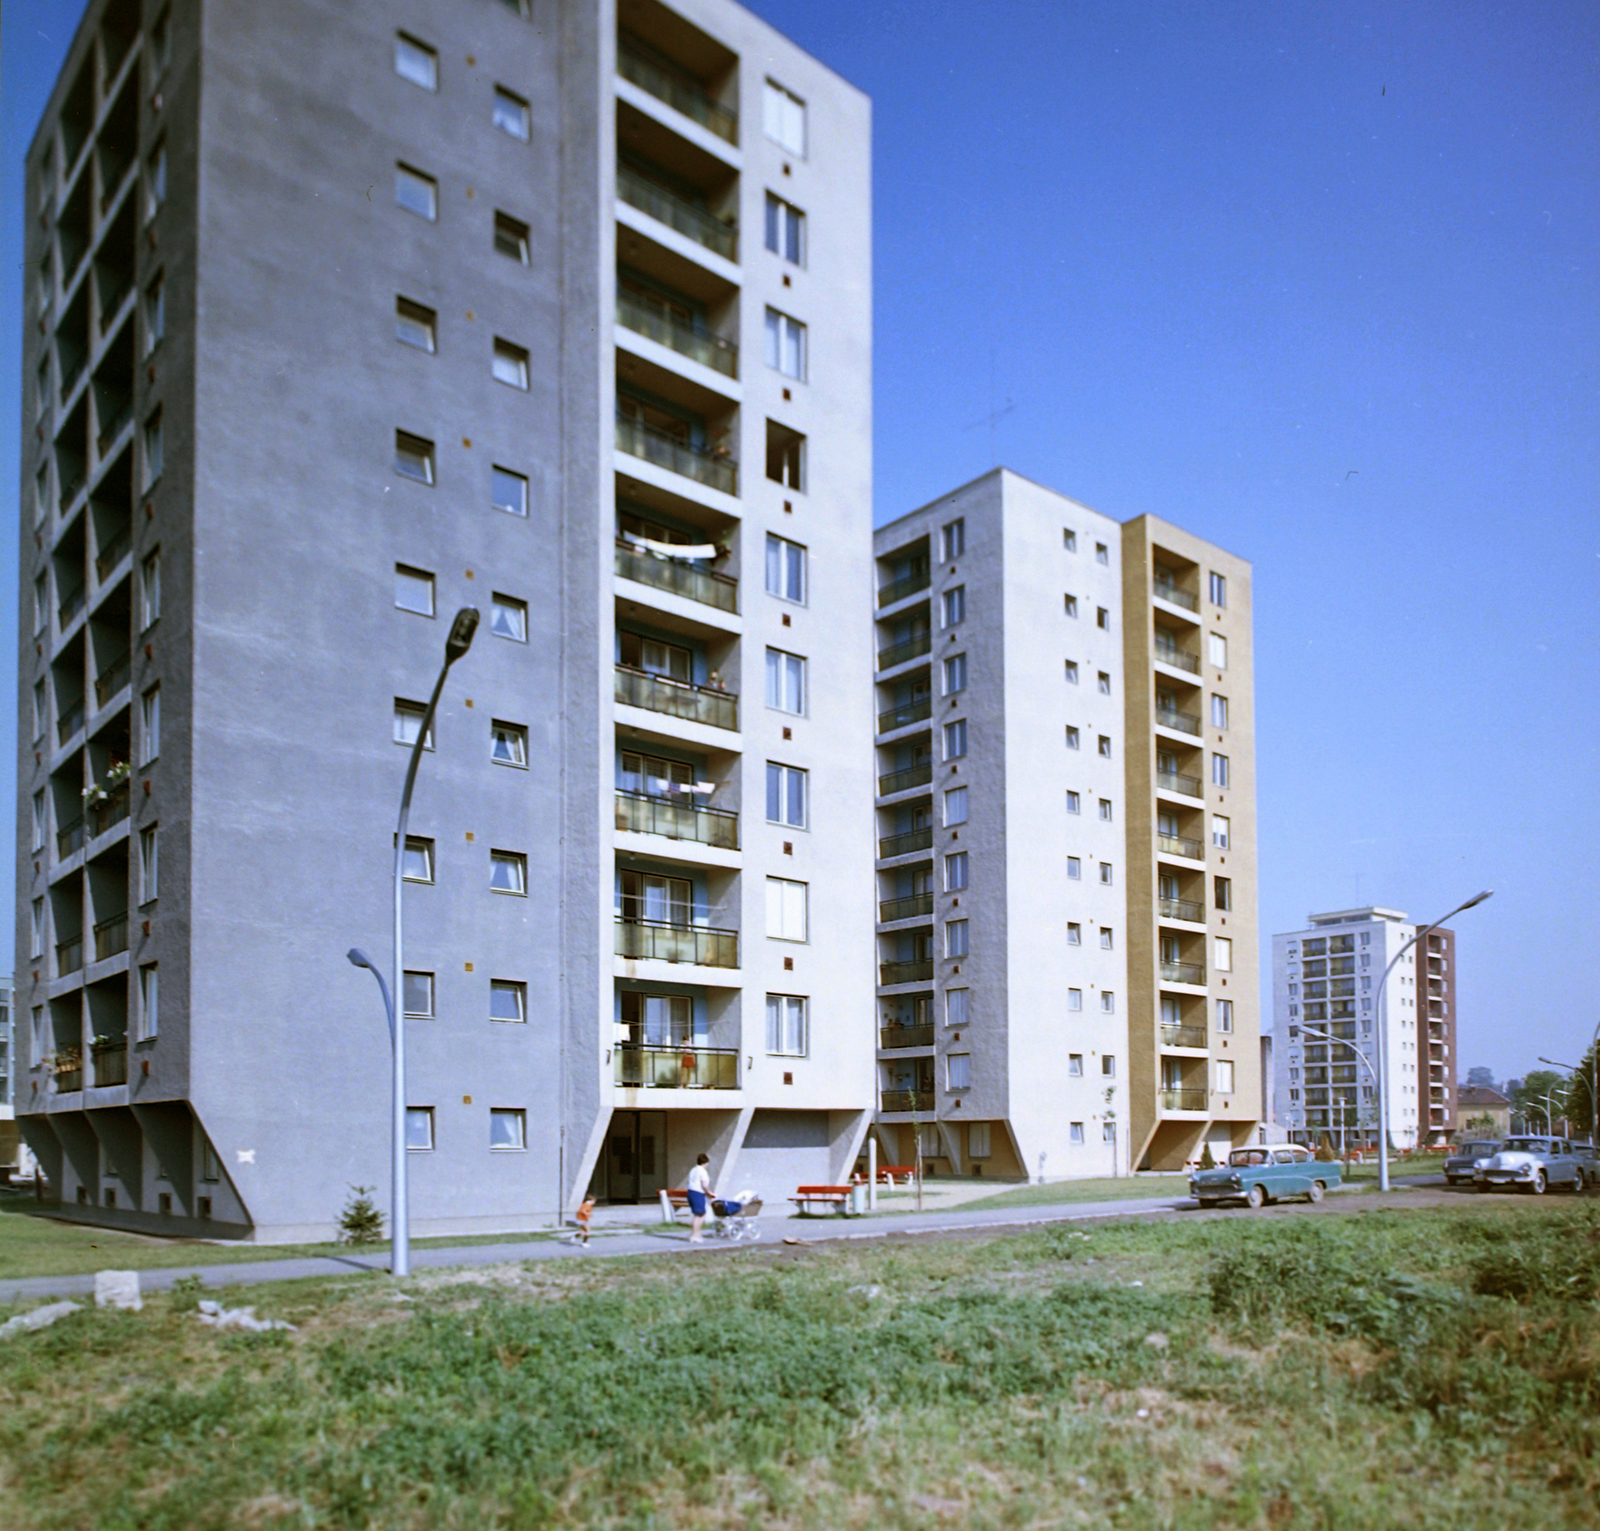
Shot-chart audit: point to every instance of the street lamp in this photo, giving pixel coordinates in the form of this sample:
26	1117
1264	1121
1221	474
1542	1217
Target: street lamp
1383	1033
1594	1083
1307	1031
456	644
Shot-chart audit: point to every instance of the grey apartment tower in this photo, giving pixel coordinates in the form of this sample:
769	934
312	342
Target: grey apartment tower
341	315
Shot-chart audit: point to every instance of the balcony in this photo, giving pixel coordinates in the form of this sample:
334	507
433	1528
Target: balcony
68	1080
655	324
112	679
719	235
675	820
910	648
657	941
1171	654
69	839
666	451
906	713
905	1036
899	589
676	698
109	1062
1176	781
904	844
1183	1036
905	972
905	1100
1183	1100
685	579
112	554
1181	845
69	722
1183	972
903	781
1166	591
71	604
106	437
69	956
680	93
1182	909
1181	722
112	809
685	1067
111	937
908	908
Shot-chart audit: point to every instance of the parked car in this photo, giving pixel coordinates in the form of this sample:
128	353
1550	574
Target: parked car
1589	1162
1262	1174
1535	1164
1464	1156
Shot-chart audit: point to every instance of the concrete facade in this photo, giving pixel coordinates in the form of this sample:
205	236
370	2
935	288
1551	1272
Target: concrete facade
297	377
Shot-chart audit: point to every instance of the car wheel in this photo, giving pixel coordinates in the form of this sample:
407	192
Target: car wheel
1314	1195
1452	1179
1480	1185
1540	1183
1255	1198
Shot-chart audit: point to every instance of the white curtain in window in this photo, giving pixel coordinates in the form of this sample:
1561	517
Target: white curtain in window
786	909
786	681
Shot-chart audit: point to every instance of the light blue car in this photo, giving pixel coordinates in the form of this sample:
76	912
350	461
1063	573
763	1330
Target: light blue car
1258	1175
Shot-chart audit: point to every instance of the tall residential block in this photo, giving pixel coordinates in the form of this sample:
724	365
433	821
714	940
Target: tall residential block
342	316
1066	838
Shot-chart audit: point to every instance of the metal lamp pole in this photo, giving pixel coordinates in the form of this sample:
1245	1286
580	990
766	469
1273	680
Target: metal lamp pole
456	644
1383	1033
1307	1031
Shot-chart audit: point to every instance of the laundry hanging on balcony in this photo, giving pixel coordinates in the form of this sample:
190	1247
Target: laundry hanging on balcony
672	549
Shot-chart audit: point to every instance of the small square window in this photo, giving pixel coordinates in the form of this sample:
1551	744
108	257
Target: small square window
955	938
1102	554
955	872
1074	999
1075	1131
508	1130
419	994
786	795
955	605
1219	711
785	456
1071	605
416	61
1217	651
955	806
786	569
1075	1065
786	230
1108	939
1073	738
413	457
415	325
1108	1062
1219	590
510	365
783	118
413	589
955	739
786	909
511	237
958	1071
786	345
417	865
508	744
508	872
507	1001
511	114
957	1006
1105	745
1074	933
1074	867
787	1029
1072	672
1104	684
1219	770
955	539
1069	539
1105	809
1073	803
416	193
408	718
508	618
419	1129
1102	619
510	492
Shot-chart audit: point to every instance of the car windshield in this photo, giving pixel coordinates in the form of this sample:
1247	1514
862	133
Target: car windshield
1243	1158
1527	1145
1476	1150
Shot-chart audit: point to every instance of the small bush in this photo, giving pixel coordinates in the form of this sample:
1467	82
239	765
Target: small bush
360	1222
1207	1162
185	1293
1558	1258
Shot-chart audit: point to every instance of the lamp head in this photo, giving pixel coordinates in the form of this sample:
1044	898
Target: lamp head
461	631
358	958
1478	898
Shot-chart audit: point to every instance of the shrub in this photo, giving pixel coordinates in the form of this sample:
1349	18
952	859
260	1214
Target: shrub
360	1222
1558	1258
1207	1162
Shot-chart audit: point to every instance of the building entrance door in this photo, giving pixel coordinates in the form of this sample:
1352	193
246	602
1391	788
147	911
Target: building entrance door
633	1167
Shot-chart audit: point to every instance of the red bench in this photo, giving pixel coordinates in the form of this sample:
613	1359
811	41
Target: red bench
672	1203
821	1200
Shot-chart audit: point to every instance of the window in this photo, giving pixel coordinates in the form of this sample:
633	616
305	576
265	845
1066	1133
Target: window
40	825
1222	954
1104	681
155	180
1108	939
786	795
419	994
508	744
1105	809
154	449
508	618
511	114
1105	873
41	603
955	739
1072	738
510	492
1108	1064
155	314
41	709
786	230
1224	1015
786	569
508	1001
413	457
1074	999
786	1026
1069	539
958	1071
41	494
41	390
417	863
1074	868
413	589
149	865
957	1006
1102	619
511	237
1076	1130
955	605
1071	605
1108	1132
415	325
783	118
1219	711
150	731
161	41
516	7
1073	802
786	682
1219	831
955	871
419	1129
1222	892
955	938
1219	770
508	1130
416	62
1108	1003
1074	933
1219	589
510	364
954	539
1217	650
977	1140
150	590
37	943
1224	1076
1105	745
955	806
786	909
408	718
1072	672
149	1000
785	456
786	345
1102	554
508	872
416	193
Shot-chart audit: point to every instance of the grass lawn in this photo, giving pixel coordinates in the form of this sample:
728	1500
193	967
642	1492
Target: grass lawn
1335	1369
1132	1188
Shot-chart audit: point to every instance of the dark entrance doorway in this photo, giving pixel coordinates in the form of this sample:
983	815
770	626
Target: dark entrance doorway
633	1167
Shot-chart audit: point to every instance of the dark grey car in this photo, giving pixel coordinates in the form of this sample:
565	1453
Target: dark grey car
1463	1156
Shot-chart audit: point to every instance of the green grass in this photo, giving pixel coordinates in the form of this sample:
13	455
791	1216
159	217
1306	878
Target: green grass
1335	1370
1133	1188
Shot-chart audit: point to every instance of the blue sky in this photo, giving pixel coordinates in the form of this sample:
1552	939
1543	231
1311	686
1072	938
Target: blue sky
1316	282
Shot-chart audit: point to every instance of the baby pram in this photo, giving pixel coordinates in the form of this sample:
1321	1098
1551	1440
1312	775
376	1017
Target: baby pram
735	1217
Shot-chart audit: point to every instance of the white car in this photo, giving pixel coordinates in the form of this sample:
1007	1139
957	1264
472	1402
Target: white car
1533	1164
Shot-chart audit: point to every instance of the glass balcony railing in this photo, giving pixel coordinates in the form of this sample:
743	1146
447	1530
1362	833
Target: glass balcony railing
1181	845
898	590
655	324
680	93
1166	591
1183	972
681	1067
905	1036
1171	654
903	781
1183	1100
676	698
909	648
719	235
905	972
1180	722
905	1100
910	907
1176	781
685	579
903	844
677	820
667	451
1182	909
906	713
1183	1036
656	941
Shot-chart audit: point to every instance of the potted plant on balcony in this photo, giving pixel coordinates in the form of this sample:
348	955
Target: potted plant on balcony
66	1065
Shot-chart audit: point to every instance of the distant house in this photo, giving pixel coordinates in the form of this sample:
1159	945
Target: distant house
1476	1100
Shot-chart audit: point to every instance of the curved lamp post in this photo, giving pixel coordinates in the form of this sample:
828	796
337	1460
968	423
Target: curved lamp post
1576	1070
1383	1033
1372	1073
456	644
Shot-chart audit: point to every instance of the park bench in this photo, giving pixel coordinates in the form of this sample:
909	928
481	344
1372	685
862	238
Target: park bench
819	1200
672	1203
888	1172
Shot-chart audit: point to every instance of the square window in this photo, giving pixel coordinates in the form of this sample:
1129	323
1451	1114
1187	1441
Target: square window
783	118
413	457
1102	619
1074	933
786	909
955	872
786	345
955	539
1105	745
1224	1015
511	237
1217	651
957	1006
1108	1061
413	589
786	230
510	492
510	365
955	739
1073	802
416	193
408	718
1219	711
787	1031
955	806
154	449
1072	672
508	1001
508	1130
508	872
958	1071
785	456
511	114
1071	605
1107	939
508	618
417	865
1076	1131
1074	868
149	865
1102	554
150	590
1219	770
149	1000
508	743
786	569
419	1129
955	605
415	325
419	994
150	732
786	682
1104	681
955	938
1105	809
416	61
1105	873
1072	737
786	795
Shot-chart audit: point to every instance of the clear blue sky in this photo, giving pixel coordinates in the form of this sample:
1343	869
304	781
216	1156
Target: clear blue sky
1317	282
